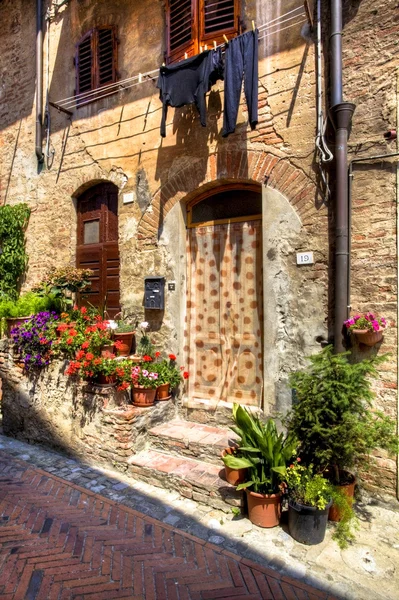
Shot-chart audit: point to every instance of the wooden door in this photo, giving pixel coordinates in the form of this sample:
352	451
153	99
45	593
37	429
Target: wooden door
225	312
97	246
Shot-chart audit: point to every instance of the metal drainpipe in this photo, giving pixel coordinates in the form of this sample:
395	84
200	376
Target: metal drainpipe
341	115
39	81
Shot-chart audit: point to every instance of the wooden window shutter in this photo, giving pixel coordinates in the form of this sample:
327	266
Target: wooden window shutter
96	61
182	29
85	64
106	55
218	18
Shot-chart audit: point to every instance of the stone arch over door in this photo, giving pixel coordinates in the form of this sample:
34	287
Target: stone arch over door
224	167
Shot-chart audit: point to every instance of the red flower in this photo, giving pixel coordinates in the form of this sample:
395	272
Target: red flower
185	374
118	344
123	386
73	332
157	354
89	356
147	358
172	357
85	345
298	459
62	327
69	341
80	354
83	310
97	361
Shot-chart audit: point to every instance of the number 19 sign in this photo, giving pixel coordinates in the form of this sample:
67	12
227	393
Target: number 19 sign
304	258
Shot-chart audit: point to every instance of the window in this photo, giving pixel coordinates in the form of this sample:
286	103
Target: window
195	23
96	61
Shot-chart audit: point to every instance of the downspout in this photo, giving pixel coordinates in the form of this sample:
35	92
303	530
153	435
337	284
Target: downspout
39	81
341	116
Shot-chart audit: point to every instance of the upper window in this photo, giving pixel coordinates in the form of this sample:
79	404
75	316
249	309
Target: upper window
96	61
195	23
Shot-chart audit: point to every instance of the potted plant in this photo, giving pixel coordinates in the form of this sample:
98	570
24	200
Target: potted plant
309	500
144	385
18	311
144	347
34	339
123	338
367	328
169	375
97	369
265	454
64	284
331	415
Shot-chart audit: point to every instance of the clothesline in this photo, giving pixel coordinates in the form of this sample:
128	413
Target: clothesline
130	82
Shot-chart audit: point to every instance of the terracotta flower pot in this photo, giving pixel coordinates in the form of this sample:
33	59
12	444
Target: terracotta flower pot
233	476
349	490
143	397
12	322
264	510
126	340
367	337
107	350
104	380
163	392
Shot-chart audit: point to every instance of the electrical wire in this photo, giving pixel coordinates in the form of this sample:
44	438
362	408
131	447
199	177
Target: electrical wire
112	88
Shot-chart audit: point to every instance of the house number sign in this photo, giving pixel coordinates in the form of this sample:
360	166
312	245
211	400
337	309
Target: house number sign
304	258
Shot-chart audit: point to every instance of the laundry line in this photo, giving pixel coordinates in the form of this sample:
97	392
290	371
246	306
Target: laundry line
134	80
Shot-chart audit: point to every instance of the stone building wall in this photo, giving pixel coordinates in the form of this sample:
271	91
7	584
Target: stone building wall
117	139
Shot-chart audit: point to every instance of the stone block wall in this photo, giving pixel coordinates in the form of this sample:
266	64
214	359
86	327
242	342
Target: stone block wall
93	423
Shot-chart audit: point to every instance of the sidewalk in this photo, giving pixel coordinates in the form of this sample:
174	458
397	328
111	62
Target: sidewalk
63	540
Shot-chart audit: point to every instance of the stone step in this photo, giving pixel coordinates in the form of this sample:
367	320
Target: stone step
195	479
194	440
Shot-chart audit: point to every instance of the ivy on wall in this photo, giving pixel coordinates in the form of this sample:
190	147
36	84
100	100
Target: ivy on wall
13	258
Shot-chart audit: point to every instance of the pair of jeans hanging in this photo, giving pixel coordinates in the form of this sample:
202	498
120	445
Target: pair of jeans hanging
241	62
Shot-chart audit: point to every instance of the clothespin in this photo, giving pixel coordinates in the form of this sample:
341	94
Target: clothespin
253	25
214	44
225	39
200	49
206	47
140	77
185	55
163	64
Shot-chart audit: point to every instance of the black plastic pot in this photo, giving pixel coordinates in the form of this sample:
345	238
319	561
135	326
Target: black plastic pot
307	524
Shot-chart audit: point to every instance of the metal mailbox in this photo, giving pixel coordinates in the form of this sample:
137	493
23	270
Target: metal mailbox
154	293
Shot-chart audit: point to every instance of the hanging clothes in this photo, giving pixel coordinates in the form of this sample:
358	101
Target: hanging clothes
241	61
188	81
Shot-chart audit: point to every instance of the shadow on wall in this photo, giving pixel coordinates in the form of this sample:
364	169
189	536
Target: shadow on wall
190	136
115	488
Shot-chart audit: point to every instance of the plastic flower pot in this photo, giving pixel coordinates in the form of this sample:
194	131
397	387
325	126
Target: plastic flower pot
264	510
143	397
163	392
367	337
307	524
233	476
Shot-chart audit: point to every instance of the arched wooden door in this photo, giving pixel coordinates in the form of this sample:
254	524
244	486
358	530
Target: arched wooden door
225	298
97	246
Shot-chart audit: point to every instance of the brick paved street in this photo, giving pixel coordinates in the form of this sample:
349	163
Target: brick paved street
61	541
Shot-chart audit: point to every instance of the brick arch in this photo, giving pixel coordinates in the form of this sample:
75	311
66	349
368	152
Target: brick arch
227	166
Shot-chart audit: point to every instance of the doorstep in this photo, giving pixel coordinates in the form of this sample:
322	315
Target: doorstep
193	440
194	479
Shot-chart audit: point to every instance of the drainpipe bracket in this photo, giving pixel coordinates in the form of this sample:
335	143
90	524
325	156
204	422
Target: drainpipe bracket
341	115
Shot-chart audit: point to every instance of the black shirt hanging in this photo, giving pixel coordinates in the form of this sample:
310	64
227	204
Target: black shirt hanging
188	81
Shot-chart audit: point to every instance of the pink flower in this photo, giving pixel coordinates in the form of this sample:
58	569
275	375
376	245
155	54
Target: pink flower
376	325
145	372
383	321
349	322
